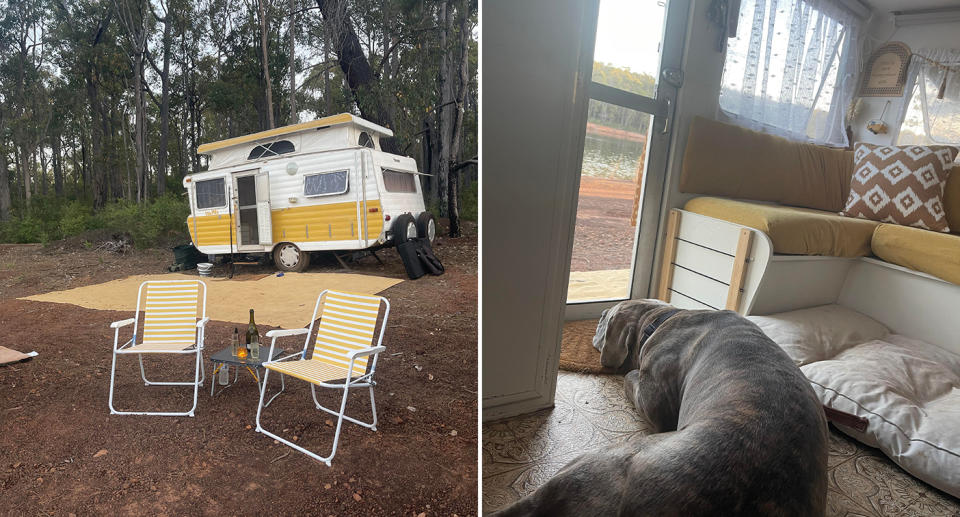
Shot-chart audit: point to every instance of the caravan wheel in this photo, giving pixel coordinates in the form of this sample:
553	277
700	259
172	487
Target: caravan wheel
427	226
288	257
404	229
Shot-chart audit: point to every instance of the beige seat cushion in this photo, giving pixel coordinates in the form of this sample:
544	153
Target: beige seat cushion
796	231
930	252
730	161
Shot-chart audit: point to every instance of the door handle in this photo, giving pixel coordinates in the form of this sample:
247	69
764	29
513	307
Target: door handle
666	117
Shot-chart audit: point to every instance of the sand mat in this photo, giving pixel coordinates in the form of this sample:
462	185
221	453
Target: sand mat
285	301
598	285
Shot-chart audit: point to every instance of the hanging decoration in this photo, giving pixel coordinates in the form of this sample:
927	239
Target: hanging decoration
886	72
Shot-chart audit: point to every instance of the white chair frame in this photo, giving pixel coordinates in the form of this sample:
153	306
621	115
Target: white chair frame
363	381
197	350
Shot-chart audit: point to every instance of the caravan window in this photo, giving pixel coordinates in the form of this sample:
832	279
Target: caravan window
272	149
395	181
934	104
325	184
366	140
791	68
211	194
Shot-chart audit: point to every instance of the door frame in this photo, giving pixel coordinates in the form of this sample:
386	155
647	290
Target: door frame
657	153
235	204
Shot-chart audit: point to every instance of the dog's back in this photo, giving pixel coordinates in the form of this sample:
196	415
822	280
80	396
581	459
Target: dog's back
740	432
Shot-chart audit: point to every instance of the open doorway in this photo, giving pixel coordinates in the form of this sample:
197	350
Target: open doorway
247	223
625	144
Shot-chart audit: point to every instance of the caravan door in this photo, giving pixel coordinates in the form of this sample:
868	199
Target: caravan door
252	207
264	221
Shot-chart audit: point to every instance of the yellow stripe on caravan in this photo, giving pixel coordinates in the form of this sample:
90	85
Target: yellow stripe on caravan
317	223
212	230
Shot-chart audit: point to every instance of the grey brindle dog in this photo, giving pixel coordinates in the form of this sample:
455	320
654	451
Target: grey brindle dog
739	430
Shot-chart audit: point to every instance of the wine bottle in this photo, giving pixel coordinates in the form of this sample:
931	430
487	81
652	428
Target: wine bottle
253	339
235	342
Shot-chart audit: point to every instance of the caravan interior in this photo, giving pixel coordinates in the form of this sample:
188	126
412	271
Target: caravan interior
786	159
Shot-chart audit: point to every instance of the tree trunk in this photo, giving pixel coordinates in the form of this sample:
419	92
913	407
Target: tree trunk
26	174
57	166
266	63
446	103
164	108
356	67
292	34
453	182
43	171
139	121
98	184
4	182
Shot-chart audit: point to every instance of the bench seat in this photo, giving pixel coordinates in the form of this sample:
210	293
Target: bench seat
922	250
794	231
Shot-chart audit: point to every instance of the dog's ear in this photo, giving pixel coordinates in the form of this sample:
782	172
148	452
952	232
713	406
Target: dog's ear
615	353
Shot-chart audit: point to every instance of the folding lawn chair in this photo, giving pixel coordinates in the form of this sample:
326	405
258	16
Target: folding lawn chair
341	353
170	326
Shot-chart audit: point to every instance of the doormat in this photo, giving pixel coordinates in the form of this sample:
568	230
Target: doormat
280	301
576	348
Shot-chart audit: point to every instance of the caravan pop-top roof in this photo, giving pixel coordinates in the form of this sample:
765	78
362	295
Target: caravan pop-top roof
334	132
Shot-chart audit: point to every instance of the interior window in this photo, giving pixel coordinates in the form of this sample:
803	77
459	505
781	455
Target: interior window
934	110
271	149
395	181
791	69
211	194
366	140
325	184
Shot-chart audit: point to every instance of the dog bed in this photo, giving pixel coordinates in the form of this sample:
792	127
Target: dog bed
906	392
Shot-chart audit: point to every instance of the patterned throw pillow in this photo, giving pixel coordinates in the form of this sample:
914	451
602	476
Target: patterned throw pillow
900	185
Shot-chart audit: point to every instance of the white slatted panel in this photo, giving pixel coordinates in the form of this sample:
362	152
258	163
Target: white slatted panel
683	302
709	232
704	260
170	314
347	322
698	287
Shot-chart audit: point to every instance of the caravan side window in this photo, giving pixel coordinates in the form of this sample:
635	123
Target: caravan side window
395	181
211	194
272	149
325	184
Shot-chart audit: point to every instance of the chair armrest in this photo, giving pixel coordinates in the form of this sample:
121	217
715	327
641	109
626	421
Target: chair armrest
203	322
363	352
290	332
122	323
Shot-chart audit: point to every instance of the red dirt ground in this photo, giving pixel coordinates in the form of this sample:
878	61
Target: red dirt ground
55	424
603	238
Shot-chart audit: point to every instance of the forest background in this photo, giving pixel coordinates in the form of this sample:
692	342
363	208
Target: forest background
103	103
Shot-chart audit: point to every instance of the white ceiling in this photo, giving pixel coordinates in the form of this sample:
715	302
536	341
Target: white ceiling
885	6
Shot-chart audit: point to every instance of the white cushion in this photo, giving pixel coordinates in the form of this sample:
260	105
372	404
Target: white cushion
907	390
818	333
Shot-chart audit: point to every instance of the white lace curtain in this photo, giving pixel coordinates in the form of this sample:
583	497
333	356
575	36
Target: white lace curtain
792	69
924	113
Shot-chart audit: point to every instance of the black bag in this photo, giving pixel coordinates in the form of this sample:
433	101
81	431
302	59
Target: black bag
411	260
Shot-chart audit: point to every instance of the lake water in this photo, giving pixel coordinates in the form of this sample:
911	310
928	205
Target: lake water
612	158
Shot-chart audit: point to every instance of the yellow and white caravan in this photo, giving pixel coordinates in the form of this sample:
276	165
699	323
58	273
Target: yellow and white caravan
314	186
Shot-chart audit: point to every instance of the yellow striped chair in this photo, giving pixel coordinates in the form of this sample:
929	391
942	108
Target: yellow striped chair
174	319
344	355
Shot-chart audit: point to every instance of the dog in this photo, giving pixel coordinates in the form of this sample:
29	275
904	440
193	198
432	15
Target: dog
739	430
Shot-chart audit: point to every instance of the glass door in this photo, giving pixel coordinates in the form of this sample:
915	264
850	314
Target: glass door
635	78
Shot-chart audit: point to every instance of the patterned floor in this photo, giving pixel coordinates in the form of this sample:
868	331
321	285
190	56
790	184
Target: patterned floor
591	412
